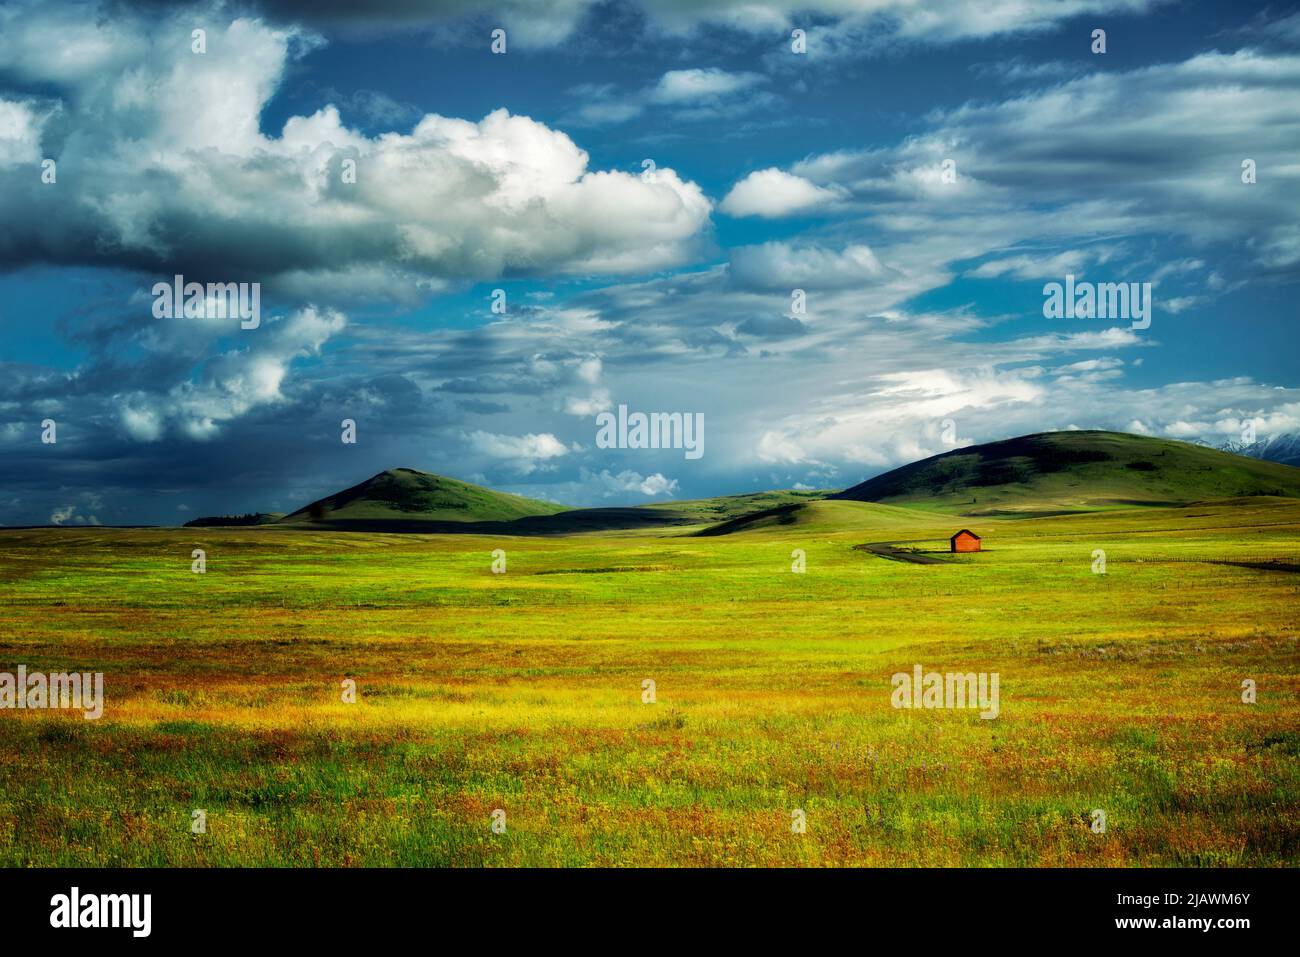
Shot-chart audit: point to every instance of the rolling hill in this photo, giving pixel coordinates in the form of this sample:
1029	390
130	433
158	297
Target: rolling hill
1059	472
406	500
1049	473
405	497
821	517
726	507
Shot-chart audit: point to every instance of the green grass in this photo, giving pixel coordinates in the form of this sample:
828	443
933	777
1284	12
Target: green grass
523	691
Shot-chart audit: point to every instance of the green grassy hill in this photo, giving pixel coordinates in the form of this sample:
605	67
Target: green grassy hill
1051	473
408	497
726	507
1059	472
826	517
404	500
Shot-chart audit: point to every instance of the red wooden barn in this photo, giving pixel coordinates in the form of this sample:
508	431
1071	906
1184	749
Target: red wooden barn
965	541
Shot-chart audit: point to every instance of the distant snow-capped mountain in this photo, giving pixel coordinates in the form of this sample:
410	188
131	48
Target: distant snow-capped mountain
1283	448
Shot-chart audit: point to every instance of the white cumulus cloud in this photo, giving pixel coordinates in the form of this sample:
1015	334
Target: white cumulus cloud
772	193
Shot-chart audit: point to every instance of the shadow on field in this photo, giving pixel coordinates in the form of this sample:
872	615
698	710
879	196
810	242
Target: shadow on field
894	554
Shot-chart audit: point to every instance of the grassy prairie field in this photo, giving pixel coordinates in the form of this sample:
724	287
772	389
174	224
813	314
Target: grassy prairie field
523	691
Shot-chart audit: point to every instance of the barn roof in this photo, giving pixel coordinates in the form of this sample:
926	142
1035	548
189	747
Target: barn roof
966	531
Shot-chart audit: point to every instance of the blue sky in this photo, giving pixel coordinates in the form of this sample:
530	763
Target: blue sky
774	171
